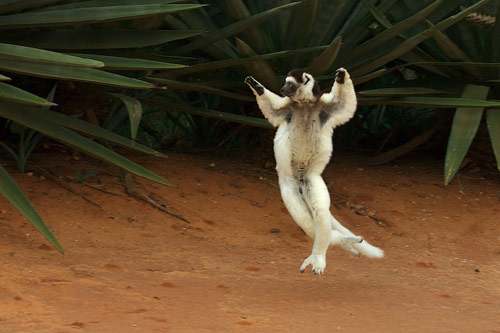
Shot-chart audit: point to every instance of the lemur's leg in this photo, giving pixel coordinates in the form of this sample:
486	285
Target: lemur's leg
318	199
297	207
351	242
273	107
343	237
340	103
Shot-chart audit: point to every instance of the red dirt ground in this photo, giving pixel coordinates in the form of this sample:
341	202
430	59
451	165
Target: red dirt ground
131	268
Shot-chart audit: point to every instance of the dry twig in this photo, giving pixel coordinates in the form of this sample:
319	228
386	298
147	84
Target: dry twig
53	177
135	192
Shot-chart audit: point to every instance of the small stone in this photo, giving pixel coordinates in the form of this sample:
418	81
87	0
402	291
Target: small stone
274	231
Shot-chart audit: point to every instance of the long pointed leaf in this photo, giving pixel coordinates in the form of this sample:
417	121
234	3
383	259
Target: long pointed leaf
106	3
435	102
10	190
301	24
134	110
238	62
463	129
203	88
493	121
452	50
30	54
384	71
400	91
88	15
16	5
414	41
377	14
120	63
15	94
97	39
18	113
324	61
233	29
89	129
261	70
74	74
237	10
386	35
257	122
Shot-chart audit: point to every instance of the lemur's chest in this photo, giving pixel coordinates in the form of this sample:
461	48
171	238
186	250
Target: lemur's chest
305	137
304	133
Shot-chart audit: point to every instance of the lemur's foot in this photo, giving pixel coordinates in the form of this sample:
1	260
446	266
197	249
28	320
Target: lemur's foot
348	242
340	75
255	85
318	263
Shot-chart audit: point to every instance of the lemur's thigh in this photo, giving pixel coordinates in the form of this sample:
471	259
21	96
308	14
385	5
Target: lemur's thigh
317	196
297	207
318	200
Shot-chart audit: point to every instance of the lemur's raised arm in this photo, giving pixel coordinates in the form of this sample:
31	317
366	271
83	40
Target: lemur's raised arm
339	105
273	107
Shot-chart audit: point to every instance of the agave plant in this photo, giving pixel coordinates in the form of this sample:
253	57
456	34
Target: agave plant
376	40
83	41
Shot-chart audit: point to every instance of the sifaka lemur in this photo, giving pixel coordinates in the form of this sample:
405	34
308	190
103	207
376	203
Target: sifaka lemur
305	118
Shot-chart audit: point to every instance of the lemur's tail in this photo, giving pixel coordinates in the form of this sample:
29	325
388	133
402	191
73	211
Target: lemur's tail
364	247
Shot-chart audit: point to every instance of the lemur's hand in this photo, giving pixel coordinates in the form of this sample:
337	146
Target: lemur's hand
251	81
255	85
340	75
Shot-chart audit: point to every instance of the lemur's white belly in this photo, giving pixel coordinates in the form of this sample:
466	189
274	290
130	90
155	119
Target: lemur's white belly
298	154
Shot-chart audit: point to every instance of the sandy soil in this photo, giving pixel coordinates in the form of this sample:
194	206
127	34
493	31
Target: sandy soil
131	268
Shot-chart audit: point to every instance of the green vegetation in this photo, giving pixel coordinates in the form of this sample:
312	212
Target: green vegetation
407	58
33	35
420	68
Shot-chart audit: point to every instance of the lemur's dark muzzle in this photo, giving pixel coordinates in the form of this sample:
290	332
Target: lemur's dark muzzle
288	89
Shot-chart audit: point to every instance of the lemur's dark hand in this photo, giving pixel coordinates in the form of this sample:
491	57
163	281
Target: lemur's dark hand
340	76
251	81
259	89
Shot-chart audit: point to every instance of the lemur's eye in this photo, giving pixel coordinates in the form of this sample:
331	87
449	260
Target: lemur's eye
290	85
307	79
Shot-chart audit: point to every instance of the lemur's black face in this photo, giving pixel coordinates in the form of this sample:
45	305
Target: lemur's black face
301	87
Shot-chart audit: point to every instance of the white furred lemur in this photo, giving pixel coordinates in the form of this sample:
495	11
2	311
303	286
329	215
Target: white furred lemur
305	118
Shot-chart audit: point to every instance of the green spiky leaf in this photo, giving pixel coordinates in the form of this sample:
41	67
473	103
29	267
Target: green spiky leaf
74	74
88	15
493	122
34	55
28	117
15	94
12	192
465	124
